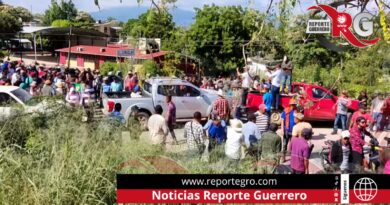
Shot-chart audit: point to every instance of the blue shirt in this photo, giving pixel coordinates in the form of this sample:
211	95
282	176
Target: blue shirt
116	87
216	132
106	88
118	116
292	123
250	130
267	99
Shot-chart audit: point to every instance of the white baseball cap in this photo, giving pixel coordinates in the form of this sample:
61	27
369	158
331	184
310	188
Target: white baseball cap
345	134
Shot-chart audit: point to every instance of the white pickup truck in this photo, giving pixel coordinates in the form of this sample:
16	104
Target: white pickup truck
187	98
11	97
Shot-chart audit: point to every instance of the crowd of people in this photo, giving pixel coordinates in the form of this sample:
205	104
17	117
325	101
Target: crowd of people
257	138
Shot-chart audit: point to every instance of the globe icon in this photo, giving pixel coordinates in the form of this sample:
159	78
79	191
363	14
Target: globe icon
365	189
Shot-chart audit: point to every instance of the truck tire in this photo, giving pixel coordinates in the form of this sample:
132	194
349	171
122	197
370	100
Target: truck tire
143	118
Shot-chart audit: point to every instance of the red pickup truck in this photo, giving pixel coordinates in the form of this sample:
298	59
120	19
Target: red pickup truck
318	103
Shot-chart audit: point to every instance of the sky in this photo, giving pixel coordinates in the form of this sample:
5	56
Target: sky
89	6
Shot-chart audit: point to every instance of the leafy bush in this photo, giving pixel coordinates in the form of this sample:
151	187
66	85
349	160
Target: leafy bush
59	160
61	23
124	67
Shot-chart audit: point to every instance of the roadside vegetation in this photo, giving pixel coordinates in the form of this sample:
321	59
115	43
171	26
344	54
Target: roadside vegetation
55	158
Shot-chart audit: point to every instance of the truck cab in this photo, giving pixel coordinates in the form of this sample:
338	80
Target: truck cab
318	103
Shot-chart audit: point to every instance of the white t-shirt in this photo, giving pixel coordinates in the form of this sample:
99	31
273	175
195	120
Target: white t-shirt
276	78
246	80
233	143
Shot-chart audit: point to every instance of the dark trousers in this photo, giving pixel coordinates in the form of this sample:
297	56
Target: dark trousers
286	139
343	119
298	172
357	160
275	91
244	95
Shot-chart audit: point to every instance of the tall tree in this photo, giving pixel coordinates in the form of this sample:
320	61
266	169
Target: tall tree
218	34
151	25
84	20
63	10
9	24
12	18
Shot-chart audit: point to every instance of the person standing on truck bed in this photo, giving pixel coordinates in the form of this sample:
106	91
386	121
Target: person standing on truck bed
267	99
341	115
171	118
287	77
246	84
276	77
287	125
377	111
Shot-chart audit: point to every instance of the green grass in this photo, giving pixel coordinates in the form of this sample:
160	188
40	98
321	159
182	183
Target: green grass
56	159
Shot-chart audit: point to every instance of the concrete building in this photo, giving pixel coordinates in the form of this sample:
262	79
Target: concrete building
111	29
93	57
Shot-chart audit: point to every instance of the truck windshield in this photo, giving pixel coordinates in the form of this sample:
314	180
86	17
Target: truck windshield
23	95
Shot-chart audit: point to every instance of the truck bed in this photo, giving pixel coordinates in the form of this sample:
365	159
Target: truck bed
255	98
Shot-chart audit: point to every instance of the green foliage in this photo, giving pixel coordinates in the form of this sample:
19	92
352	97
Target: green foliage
64	162
150	25
63	10
61	23
114	67
11	18
217	36
149	68
9	24
84	20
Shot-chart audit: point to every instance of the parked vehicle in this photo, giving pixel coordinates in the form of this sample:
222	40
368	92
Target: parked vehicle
12	97
316	102
187	97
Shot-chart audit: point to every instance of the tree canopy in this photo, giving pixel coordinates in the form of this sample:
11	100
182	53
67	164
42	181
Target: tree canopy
218	34
12	18
64	10
151	25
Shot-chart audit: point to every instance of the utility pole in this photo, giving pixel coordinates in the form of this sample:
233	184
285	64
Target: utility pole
70	44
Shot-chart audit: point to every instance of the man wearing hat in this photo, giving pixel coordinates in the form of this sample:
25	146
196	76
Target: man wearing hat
262	119
341	114
287	124
299	125
47	89
234	140
341	153
300	152
221	106
127	81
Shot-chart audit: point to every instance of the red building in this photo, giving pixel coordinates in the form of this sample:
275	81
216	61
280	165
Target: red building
94	56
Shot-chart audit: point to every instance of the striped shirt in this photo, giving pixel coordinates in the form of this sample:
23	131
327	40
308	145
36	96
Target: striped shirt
261	122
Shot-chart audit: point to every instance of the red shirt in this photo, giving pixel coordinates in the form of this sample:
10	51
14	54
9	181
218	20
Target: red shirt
357	114
221	105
